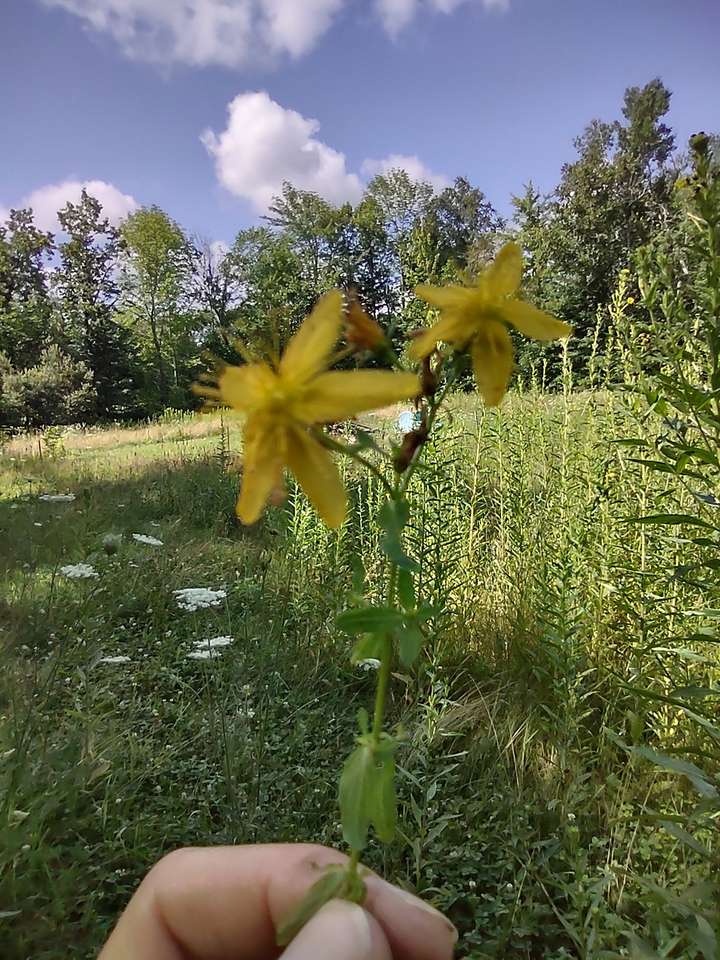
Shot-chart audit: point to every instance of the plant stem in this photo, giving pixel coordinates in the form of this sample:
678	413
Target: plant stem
385	664
337	447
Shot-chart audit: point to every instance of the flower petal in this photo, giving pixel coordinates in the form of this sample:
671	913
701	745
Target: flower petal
318	475
309	350
533	322
452	327
503	276
265	450
492	358
245	388
451	297
341	394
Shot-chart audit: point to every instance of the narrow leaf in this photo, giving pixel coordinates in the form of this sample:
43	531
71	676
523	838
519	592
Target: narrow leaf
370	620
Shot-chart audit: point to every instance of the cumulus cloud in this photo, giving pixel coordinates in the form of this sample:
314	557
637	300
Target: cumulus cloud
265	144
47	200
4	214
412	165
228	33
397	14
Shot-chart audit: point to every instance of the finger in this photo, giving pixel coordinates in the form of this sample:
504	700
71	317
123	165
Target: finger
225	902
341	931
415	930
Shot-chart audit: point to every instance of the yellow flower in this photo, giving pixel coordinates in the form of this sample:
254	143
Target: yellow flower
477	317
281	403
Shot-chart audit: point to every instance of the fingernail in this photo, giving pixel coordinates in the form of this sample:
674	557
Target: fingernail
419	904
340	929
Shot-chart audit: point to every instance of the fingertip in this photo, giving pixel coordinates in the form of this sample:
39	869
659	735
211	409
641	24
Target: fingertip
343	931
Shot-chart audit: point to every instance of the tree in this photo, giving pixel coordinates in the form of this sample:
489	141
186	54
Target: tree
85	289
275	290
56	390
24	301
309	225
466	223
154	275
609	202
215	287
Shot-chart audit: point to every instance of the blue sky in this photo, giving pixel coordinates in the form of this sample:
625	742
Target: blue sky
207	116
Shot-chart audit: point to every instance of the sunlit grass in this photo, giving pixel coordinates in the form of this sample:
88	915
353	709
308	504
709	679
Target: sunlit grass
519	817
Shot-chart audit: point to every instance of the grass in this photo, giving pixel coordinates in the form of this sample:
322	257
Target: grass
520	815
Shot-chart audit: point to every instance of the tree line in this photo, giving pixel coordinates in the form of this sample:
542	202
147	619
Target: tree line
104	323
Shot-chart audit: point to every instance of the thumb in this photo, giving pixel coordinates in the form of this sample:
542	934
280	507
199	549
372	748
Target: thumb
340	931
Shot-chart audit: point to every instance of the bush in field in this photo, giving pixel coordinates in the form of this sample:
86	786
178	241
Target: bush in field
57	390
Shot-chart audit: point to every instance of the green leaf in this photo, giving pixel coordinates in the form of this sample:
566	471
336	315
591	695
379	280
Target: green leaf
367	791
327	888
382	789
672	519
355	811
392	517
370	646
684	837
369	620
411	641
695	692
673	764
684	654
406	589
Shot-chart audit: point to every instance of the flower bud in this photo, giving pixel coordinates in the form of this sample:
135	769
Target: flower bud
361	331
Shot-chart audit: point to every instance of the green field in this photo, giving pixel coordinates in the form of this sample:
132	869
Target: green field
521	816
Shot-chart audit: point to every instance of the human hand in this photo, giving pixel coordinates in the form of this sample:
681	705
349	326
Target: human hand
225	903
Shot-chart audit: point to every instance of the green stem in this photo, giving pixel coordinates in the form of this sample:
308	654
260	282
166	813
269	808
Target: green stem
385	664
335	445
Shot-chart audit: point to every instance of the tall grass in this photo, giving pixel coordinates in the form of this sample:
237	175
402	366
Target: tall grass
520	814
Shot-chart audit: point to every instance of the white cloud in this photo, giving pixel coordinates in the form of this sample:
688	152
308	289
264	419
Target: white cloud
229	33
412	165
47	200
264	144
397	14
4	214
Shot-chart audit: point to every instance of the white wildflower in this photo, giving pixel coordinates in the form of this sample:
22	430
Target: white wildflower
198	598
79	571
57	497
150	541
213	643
114	660
36	524
369	664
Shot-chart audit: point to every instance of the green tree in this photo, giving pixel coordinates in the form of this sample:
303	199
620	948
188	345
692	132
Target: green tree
609	201
85	296
24	301
56	390
276	292
154	284
467	225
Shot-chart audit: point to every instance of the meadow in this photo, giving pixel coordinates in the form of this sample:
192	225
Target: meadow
563	639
